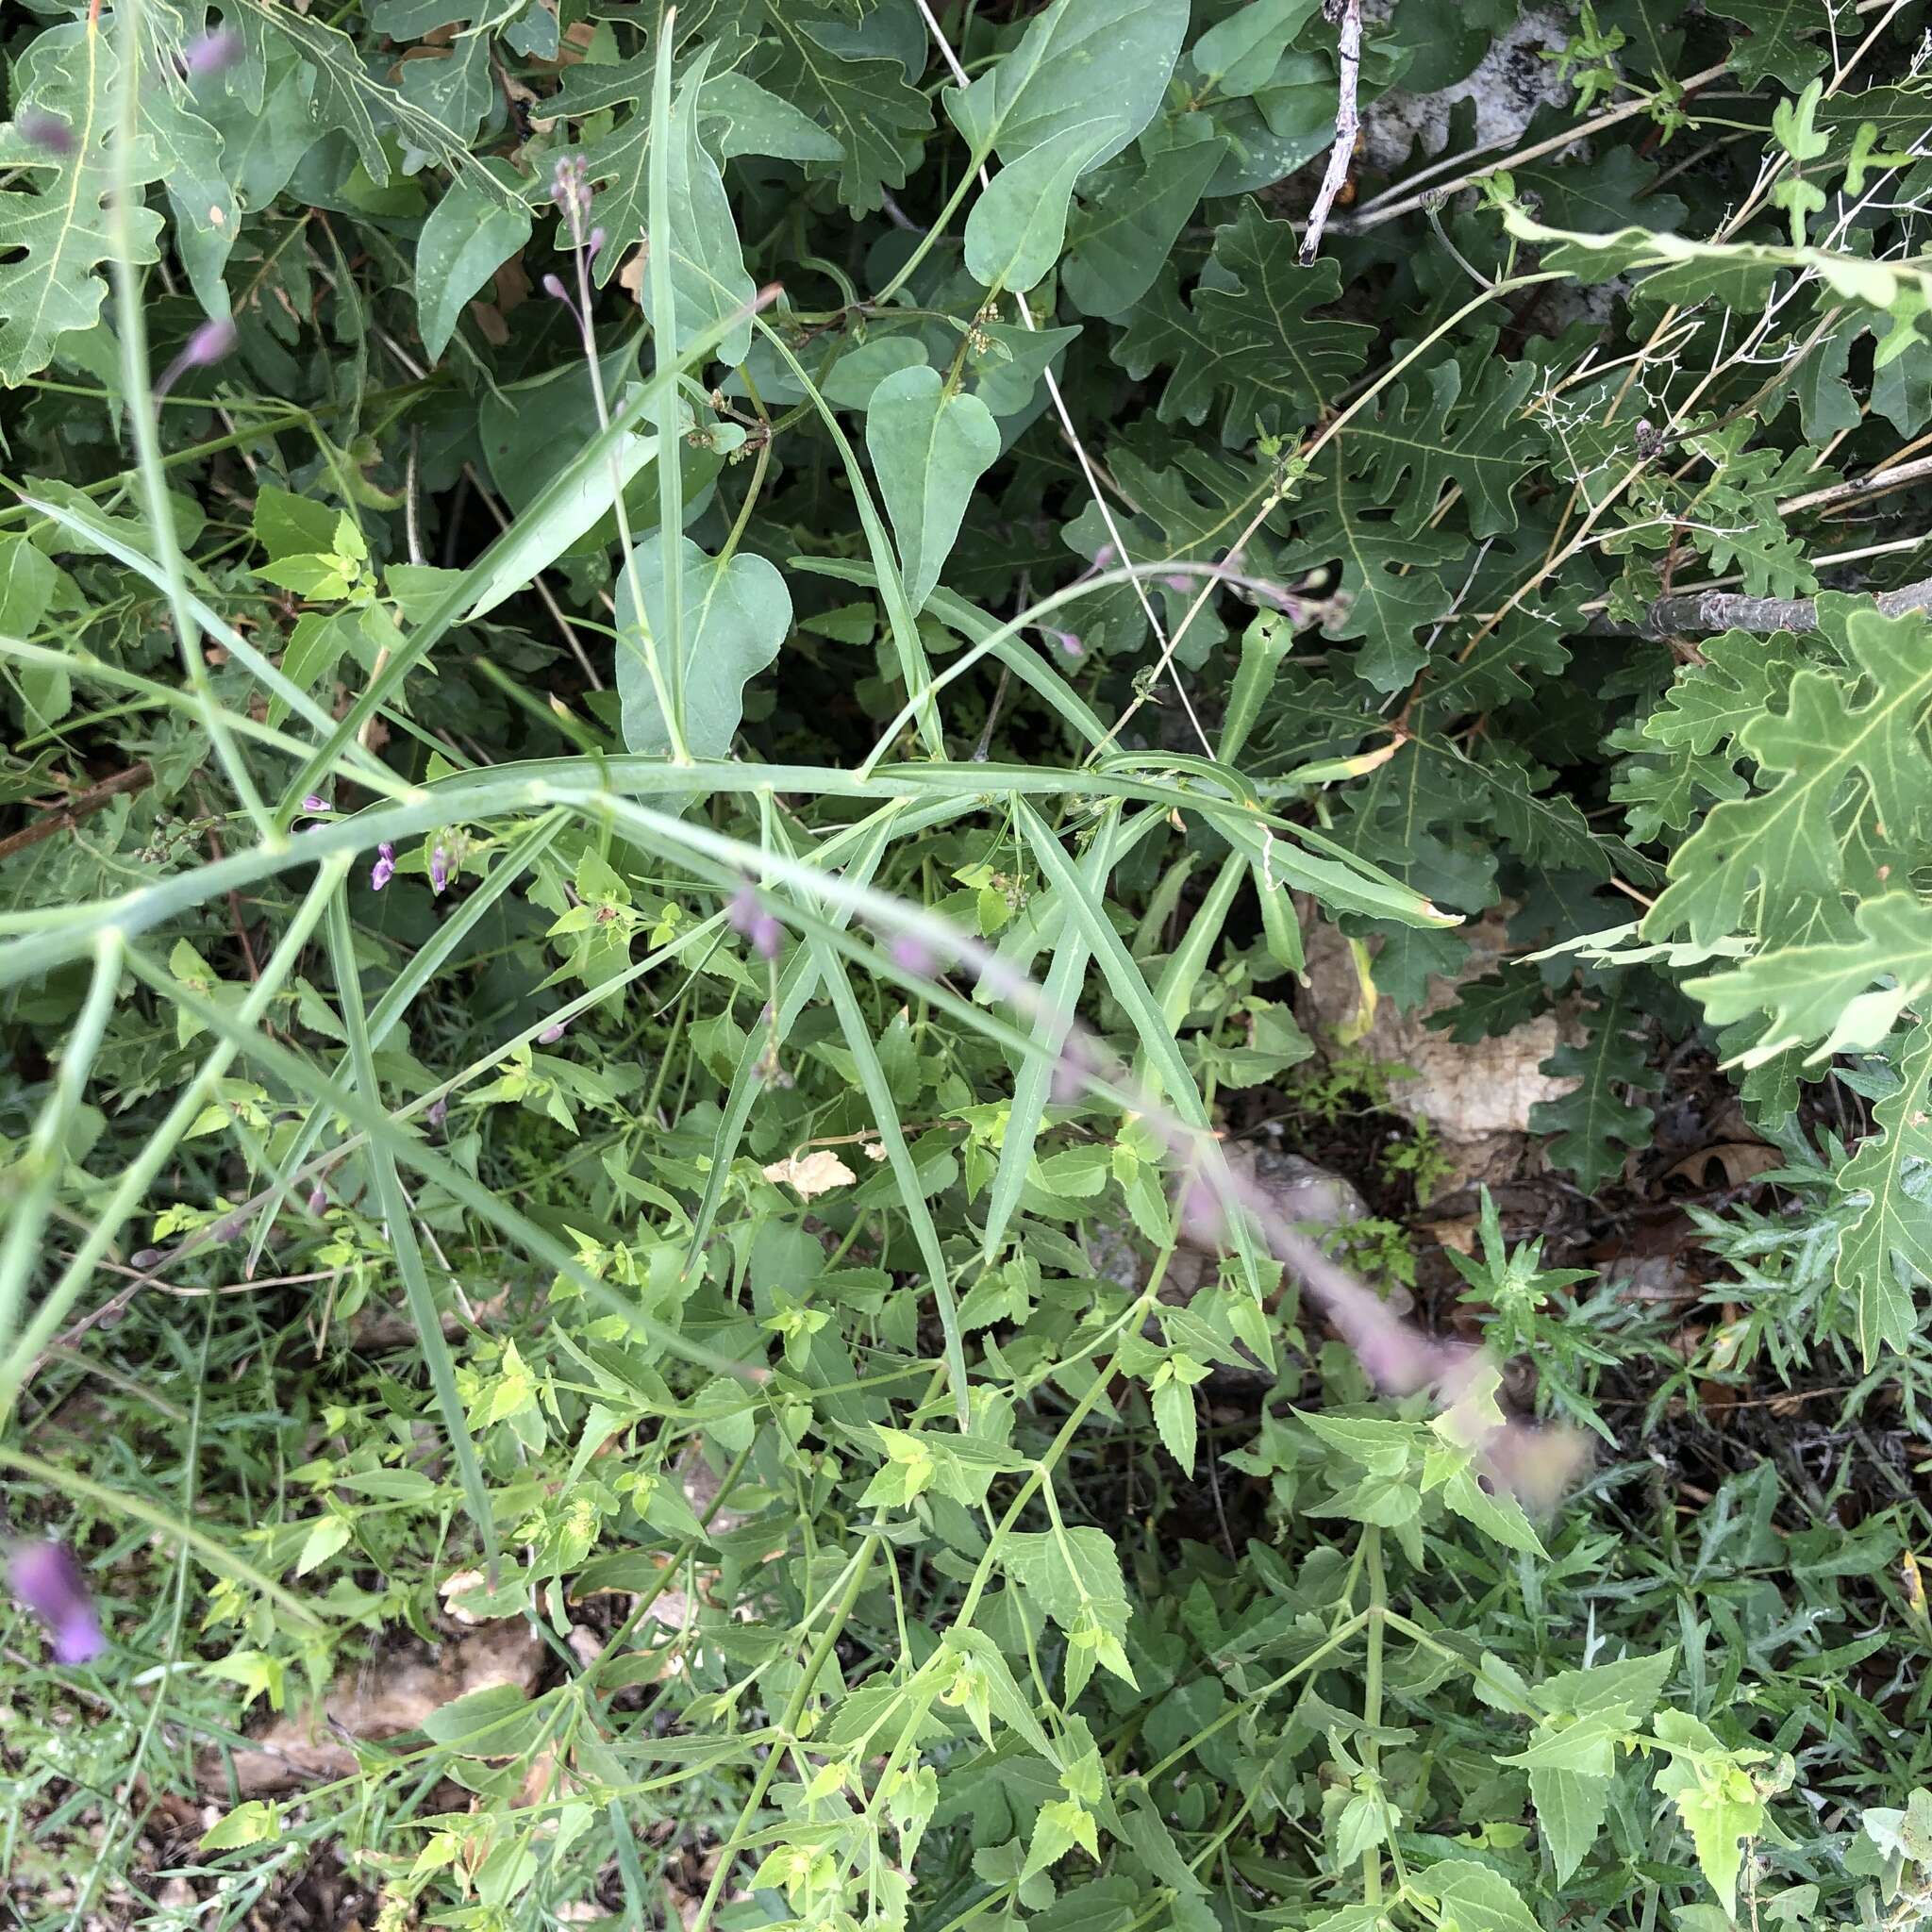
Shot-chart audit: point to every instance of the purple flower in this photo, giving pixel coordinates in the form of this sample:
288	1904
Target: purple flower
1177	580
315	801
747	915
46	131
1203	1219
318	1198
210	53
593	245
1070	1072
554	288
213	340
911	953
438	1111
1068	640
48	1580
552	1034
439	871
570	188
383	869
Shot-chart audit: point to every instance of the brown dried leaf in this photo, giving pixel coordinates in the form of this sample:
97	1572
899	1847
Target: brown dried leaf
818	1173
1742	1162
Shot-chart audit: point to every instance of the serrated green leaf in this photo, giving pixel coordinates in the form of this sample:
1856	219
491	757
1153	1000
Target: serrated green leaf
1477	1898
1249	334
54	227
1596	1124
1842	756
1885	1249
1570	1808
864	105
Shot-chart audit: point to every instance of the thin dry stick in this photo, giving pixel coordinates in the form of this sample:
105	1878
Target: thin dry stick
69	812
1876	484
1375	212
1347	123
564	627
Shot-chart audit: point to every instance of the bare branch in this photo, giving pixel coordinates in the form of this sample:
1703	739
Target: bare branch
1707	612
1347	121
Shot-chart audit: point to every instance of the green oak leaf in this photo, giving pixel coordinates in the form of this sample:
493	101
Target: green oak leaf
1248	333
54	227
1887	1248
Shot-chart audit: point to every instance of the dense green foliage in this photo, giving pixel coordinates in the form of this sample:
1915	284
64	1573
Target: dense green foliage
612	620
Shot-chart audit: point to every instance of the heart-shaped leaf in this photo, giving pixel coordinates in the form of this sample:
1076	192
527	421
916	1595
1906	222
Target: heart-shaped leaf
1019	223
928	450
736	613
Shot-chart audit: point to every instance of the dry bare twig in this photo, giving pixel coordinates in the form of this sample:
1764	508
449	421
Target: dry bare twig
1348	14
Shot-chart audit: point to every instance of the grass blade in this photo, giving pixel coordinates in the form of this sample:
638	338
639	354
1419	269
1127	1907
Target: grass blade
1033	1083
1144	1012
401	1224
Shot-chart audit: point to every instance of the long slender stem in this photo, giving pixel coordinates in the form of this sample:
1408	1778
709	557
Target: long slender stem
141	415
45	1151
1372	1704
788	1727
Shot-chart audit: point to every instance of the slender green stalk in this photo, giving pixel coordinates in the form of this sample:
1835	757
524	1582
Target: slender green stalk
664	348
401	1224
788	1727
1372	1704
45	1156
132	320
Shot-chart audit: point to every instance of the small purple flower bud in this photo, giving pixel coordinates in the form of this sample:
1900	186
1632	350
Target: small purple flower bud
46	131
592	246
1203	1222
383	869
747	915
145	1258
1068	640
439	871
551	1034
48	1581
211	53
911	953
213	340
1177	580
555	289
438	1111
1105	556
314	802
318	1198
1070	1074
